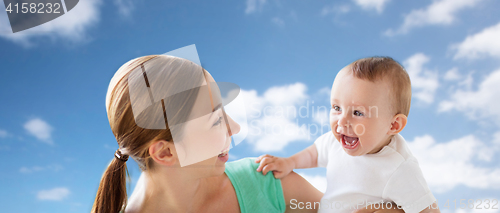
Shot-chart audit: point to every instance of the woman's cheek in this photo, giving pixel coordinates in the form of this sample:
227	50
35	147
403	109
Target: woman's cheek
220	137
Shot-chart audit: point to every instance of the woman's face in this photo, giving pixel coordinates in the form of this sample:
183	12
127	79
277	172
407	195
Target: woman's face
206	139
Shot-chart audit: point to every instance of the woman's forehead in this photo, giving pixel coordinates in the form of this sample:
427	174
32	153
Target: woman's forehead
207	100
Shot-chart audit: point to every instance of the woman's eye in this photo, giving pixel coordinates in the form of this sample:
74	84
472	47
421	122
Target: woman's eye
219	121
358	113
336	108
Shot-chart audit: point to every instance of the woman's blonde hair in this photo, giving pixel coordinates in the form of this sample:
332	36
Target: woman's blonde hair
133	140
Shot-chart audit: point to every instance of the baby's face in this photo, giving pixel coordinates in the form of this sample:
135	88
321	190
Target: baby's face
361	113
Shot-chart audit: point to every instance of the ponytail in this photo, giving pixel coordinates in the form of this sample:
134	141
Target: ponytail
111	196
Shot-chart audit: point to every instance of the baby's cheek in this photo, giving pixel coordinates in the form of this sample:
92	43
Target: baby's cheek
366	128
373	132
333	124
333	119
359	129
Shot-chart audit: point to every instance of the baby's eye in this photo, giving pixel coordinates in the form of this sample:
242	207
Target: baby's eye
219	121
358	113
336	108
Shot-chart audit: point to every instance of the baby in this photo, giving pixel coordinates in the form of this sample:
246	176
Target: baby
367	161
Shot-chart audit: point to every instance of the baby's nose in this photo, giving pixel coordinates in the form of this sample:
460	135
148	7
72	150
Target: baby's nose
339	130
343	122
342	128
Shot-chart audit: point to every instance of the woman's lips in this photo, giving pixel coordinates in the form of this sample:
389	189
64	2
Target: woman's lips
224	157
224	152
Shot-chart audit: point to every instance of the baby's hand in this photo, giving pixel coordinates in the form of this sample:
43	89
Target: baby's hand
279	166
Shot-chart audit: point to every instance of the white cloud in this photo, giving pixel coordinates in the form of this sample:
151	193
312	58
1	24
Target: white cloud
286	95
452	75
336	12
55	194
440	12
125	7
484	43
321	112
377	5
481	207
483	103
3	133
272	117
28	170
496	138
450	164
317	181
321	117
424	82
341	9
254	5
325	91
274	133
468	81
40	129
72	26
278	21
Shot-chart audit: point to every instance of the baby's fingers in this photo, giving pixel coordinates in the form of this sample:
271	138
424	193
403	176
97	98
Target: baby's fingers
265	161
262	156
268	168
279	175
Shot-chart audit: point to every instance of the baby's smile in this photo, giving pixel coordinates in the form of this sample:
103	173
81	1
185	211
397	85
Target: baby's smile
349	142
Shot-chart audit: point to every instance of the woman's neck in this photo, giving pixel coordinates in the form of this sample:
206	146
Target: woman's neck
176	191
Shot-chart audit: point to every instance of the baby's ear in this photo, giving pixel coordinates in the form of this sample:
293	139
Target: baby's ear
398	124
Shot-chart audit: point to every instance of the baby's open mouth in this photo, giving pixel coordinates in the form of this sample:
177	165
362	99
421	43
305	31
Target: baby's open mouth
349	142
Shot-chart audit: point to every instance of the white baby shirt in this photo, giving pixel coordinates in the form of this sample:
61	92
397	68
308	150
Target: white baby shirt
393	174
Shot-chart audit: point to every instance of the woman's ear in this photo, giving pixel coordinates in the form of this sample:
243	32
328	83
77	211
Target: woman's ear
398	124
163	152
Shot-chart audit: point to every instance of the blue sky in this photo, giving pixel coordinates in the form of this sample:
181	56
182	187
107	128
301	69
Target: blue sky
55	139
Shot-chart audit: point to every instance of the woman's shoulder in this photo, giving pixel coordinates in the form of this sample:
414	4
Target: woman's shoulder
253	188
242	165
243	173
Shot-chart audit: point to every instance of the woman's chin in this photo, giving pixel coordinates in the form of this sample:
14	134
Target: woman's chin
218	170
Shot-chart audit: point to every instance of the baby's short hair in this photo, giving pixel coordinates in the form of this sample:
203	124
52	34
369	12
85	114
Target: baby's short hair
386	68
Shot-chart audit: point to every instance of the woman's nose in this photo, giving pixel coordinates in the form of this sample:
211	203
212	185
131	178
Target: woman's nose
233	126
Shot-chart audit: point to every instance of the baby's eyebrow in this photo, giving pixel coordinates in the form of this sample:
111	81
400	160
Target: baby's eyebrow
358	105
353	105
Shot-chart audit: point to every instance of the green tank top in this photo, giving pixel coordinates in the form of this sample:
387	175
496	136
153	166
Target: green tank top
256	192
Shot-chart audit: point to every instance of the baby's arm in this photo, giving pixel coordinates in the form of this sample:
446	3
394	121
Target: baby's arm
307	158
297	189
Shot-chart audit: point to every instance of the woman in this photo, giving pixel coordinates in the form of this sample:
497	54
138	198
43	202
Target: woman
147	115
